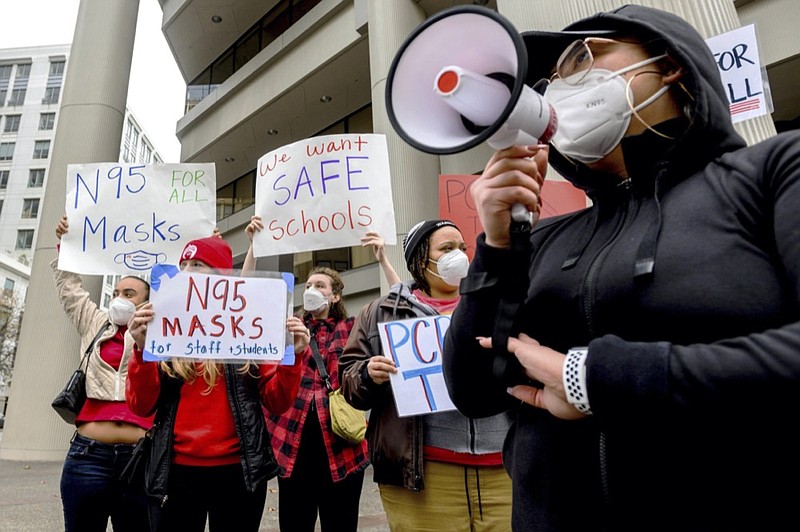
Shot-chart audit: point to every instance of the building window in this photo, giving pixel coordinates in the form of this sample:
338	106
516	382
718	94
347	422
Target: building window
30	208
268	29
1	206
5	77
23	72
47	121
3	179
8	286
145	154
17	97
12	123
41	149
6	151
36	178
24	239
51	95
57	68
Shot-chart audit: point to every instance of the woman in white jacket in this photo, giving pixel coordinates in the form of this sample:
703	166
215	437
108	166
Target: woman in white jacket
106	429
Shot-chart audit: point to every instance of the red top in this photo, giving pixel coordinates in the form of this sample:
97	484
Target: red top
98	410
204	431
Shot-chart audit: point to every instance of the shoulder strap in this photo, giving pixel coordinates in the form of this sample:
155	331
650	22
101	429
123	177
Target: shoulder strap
323	371
89	349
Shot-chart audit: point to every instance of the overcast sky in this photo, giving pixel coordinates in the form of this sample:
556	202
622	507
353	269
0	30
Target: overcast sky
157	106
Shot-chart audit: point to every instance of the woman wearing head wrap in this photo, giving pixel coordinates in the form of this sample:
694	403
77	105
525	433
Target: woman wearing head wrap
441	471
210	457
659	329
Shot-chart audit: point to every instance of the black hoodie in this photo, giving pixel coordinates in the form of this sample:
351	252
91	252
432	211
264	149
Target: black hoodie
685	285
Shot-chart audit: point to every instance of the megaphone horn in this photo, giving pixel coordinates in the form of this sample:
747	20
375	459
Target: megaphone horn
459	80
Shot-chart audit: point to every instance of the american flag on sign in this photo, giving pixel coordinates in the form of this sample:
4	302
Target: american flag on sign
747	105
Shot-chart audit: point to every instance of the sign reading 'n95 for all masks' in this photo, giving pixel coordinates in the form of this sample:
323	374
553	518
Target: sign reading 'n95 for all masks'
124	218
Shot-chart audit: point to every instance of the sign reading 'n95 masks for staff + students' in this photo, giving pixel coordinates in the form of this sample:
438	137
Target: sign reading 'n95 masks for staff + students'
218	317
124	218
324	192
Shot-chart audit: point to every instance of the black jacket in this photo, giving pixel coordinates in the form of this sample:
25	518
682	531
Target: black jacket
257	458
685	284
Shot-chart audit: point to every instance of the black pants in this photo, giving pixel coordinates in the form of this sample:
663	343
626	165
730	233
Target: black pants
214	493
311	489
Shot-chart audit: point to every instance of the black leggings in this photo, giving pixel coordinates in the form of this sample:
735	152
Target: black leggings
216	493
311	489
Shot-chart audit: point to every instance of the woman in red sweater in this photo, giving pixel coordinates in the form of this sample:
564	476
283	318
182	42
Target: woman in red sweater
210	456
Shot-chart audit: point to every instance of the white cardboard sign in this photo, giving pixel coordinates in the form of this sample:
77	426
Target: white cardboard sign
324	192
736	53
218	317
124	218
416	346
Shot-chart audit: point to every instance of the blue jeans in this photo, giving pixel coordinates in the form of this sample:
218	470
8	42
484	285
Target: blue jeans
91	491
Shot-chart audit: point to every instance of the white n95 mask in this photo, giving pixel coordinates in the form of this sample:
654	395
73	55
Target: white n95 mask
120	310
314	300
452	266
594	114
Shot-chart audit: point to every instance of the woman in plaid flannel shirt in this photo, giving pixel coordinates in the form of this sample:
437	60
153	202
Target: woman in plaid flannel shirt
320	472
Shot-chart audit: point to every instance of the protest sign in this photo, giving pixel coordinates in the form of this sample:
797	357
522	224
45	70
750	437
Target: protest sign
736	53
455	203
415	345
324	192
124	218
218	317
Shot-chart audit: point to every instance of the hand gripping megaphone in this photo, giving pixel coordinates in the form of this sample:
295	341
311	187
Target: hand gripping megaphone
459	80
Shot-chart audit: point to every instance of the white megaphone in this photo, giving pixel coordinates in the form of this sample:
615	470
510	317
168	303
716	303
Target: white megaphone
459	80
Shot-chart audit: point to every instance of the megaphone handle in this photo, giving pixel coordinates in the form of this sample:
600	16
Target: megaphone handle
519	213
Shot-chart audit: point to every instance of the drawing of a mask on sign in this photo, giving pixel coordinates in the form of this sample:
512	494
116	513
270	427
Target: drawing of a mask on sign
140	260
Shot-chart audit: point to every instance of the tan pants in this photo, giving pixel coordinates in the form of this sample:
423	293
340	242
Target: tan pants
456	498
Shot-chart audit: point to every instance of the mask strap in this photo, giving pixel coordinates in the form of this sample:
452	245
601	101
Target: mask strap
634	109
434	273
648	61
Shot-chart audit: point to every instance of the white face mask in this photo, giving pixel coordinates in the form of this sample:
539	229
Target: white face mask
121	310
594	115
314	300
452	266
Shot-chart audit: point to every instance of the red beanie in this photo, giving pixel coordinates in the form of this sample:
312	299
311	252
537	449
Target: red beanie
212	250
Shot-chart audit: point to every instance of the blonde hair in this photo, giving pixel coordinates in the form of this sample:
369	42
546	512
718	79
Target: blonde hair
186	369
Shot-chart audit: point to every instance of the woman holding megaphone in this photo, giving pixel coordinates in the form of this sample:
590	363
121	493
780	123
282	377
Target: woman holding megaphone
659	328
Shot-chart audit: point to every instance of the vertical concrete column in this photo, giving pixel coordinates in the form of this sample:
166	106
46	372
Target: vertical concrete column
89	130
710	18
415	175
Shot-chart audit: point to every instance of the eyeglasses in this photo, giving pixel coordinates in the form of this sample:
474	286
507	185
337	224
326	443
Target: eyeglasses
577	60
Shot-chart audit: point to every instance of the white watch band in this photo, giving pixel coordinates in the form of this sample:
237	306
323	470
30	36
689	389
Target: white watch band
575	379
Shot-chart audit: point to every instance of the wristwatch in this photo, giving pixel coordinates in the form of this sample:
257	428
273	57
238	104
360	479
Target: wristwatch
575	379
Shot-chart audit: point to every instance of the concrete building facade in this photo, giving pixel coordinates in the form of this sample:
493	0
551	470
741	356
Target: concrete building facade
263	74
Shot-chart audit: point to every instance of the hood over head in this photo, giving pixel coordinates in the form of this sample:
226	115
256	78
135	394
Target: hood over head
710	132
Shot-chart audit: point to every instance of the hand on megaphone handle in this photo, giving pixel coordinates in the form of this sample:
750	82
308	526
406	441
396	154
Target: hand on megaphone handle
512	176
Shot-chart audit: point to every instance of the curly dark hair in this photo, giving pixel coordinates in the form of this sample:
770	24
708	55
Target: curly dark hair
337	310
418	263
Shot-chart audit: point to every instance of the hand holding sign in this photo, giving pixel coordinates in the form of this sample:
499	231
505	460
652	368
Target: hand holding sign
414	351
218	317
